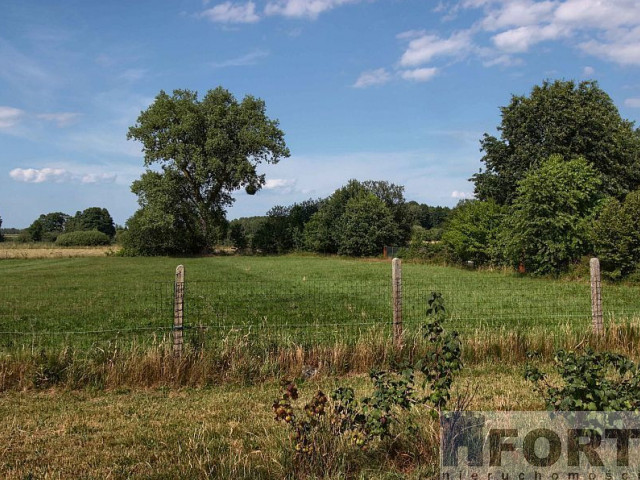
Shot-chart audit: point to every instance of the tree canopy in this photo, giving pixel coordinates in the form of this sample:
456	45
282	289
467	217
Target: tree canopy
548	226
564	118
323	232
207	149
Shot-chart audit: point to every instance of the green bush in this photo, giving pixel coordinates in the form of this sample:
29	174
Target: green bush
472	230
89	238
549	225
590	381
616	236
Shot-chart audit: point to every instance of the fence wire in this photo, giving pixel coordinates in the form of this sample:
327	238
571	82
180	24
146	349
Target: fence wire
298	309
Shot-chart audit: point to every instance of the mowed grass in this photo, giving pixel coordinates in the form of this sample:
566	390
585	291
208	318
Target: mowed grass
289	298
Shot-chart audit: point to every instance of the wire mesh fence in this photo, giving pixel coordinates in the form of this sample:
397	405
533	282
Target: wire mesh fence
298	309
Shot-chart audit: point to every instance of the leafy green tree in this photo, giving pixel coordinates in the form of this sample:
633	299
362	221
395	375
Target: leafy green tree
93	218
472	231
283	229
274	236
54	222
548	226
322	232
366	226
164	225
564	118
208	148
616	236
237	235
35	231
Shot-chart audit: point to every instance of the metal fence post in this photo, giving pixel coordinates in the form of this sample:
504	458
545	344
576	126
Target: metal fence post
396	276
178	310
596	297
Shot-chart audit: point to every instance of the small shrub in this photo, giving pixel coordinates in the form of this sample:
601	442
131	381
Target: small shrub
364	423
591	381
89	238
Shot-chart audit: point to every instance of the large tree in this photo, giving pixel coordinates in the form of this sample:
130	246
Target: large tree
550	220
564	118
323	233
92	218
211	147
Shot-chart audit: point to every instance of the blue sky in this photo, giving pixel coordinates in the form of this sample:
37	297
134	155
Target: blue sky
398	90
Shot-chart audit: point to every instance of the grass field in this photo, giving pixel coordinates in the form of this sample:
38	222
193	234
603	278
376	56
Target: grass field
130	409
291	298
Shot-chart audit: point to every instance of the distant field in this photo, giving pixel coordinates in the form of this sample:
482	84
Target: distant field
290	298
50	250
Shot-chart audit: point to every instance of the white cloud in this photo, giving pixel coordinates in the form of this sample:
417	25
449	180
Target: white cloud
632	102
605	29
58	175
229	12
372	77
10	116
423	49
282	185
518	13
588	71
599	14
420	74
60	119
303	8
521	38
461	195
622	47
245	60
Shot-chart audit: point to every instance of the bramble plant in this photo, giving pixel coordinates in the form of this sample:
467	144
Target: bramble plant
592	381
374	417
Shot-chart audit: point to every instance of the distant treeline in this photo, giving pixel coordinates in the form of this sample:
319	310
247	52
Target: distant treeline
358	219
65	229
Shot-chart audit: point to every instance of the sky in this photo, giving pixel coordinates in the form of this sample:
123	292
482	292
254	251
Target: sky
397	90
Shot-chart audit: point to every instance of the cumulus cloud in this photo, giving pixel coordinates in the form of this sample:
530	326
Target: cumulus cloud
420	74
229	12
461	195
282	185
521	38
58	175
588	71
372	77
10	116
427	47
518	13
303	8
605	29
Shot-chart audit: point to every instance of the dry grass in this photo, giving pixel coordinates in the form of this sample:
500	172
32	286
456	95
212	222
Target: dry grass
12	250
245	359
216	432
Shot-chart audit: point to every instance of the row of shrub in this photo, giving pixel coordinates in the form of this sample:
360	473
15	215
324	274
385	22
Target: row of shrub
91	238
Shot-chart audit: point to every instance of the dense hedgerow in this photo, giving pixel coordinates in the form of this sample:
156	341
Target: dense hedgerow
83	239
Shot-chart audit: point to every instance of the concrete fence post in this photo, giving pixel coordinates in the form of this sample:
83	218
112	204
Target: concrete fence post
396	275
596	297
178	310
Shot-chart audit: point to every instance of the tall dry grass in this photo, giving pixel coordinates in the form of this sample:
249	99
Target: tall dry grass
245	359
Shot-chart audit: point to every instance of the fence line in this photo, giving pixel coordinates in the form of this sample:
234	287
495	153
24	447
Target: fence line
309	310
